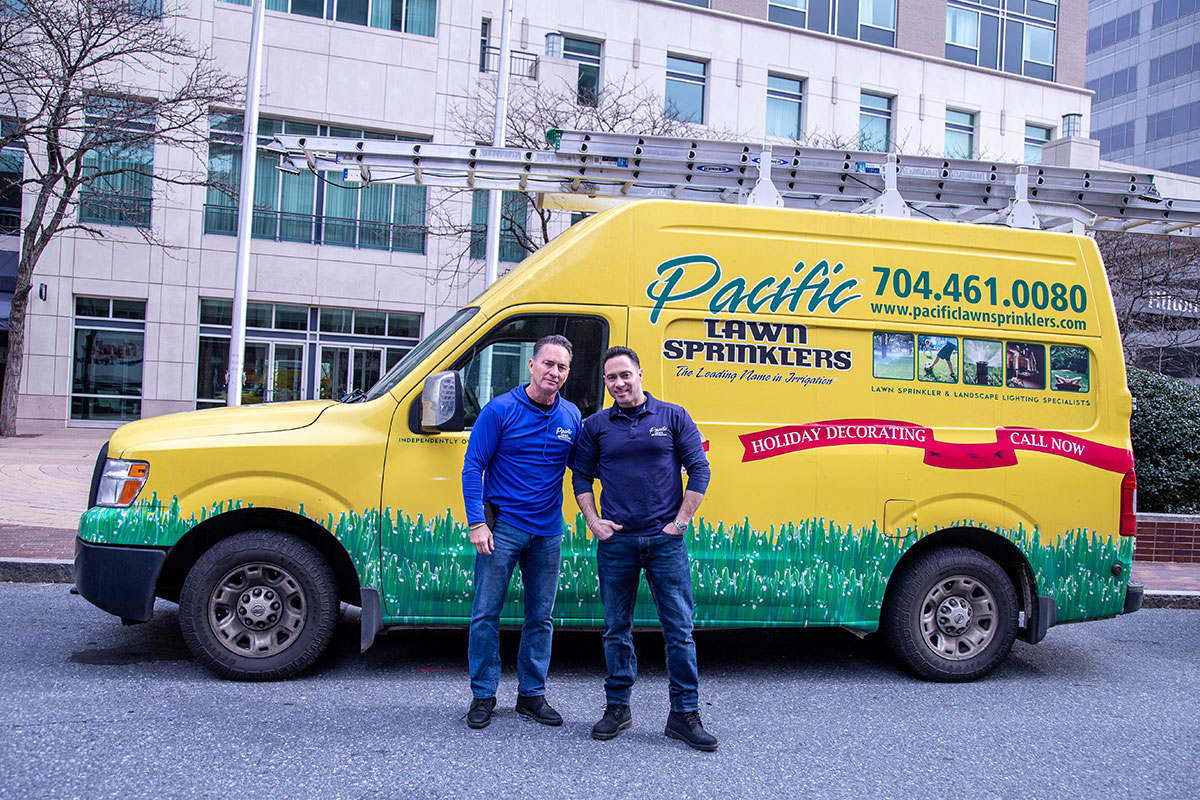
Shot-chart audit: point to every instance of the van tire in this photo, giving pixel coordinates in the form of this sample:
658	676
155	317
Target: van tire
259	606
951	615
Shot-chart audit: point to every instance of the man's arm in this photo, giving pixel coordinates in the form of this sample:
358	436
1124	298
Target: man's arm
603	528
583	474
485	436
691	453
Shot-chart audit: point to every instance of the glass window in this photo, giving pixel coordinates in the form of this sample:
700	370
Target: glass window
1039	44
784	102
587	90
499	361
370	323
686	80
875	123
379	216
107	361
405	325
291	318
119	166
962	27
258	315
216	312
1036	137
409	16
91	307
512	225
335	320
960	134
878	13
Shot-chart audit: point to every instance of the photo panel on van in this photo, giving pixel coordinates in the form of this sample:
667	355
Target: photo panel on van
1025	365
983	362
939	358
1069	369
894	356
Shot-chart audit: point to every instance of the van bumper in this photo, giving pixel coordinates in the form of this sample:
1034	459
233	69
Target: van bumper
119	580
1134	593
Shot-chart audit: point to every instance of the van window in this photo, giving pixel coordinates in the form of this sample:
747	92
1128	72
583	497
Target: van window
499	361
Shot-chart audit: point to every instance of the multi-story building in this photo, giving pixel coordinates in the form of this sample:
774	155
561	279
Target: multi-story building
1143	64
344	281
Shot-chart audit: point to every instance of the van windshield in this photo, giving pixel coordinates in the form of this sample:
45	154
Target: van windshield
418	353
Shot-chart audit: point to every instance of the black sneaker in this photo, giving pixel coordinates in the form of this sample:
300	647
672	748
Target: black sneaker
479	715
537	709
685	726
616	719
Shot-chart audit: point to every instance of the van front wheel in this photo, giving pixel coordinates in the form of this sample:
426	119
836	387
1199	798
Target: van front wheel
260	605
952	615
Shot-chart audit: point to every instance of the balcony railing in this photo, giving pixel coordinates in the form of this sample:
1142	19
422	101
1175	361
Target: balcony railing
115	209
283	226
522	63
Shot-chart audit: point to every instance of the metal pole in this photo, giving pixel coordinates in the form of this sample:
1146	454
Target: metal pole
499	136
241	280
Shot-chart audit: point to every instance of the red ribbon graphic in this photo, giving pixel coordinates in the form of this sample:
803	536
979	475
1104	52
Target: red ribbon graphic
947	455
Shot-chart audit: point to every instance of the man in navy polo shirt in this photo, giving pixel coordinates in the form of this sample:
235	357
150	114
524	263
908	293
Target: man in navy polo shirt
636	448
515	461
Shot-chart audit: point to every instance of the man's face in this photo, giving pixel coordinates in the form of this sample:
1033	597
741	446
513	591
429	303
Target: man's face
548	369
623	379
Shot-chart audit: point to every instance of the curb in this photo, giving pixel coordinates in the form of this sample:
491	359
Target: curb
37	570
1169	599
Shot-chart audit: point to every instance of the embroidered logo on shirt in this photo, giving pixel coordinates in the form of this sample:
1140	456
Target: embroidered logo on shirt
663	431
564	434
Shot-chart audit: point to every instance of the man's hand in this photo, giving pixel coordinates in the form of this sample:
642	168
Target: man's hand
603	528
670	530
481	537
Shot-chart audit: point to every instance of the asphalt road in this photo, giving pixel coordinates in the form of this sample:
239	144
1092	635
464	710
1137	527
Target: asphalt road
91	709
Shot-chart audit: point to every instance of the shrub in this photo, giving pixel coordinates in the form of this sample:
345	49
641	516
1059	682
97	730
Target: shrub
1166	443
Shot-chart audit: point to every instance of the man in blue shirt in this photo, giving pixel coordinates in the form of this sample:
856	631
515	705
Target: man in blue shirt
515	461
636	448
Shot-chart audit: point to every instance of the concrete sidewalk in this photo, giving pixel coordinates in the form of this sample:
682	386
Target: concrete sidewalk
44	481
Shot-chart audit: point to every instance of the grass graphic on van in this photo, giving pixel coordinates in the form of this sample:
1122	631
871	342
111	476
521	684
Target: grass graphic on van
814	572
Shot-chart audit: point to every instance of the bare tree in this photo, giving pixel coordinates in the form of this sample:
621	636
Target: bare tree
1156	287
92	86
620	106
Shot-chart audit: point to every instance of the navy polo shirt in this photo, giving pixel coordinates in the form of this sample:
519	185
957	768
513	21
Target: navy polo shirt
637	459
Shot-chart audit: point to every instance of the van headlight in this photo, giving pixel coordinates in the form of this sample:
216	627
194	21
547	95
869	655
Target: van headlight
121	482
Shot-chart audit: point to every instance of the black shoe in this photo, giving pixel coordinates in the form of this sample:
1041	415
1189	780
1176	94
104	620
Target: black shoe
479	715
685	726
537	709
615	719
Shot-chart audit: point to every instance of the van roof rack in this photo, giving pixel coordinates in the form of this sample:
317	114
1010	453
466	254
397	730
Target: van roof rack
589	171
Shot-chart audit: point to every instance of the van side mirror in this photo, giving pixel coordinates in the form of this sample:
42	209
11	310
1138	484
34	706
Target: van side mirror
442	403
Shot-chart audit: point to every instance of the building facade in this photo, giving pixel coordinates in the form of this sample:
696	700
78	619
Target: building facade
344	281
1143	65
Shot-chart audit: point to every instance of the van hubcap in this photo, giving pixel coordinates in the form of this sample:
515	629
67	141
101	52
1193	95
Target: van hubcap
958	617
257	610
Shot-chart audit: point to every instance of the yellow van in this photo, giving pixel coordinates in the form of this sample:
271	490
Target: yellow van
915	427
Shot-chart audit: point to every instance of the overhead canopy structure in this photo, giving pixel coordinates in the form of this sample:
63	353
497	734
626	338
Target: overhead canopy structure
589	170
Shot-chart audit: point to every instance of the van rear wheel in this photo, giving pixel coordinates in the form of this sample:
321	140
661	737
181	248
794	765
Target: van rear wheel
952	615
260	605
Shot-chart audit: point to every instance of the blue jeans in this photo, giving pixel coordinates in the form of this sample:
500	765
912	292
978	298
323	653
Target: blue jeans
539	557
620	561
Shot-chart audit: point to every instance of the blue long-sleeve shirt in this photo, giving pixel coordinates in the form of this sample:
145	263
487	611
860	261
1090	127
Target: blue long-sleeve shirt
516	458
637	460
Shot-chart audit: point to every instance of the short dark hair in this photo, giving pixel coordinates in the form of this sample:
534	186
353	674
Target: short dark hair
557	339
615	352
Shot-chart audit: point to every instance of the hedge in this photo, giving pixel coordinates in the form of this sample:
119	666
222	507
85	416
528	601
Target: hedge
1166	443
